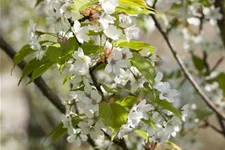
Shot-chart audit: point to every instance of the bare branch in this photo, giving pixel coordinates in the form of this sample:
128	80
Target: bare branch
187	73
217	64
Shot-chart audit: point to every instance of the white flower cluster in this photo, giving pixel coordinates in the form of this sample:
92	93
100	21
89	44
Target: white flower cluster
34	43
100	26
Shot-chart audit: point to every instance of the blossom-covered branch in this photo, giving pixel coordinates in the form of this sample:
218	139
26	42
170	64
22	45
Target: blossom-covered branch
40	83
187	73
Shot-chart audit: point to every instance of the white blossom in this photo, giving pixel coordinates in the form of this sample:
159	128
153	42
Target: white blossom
80	32
112	32
94	129
116	61
109	5
131	32
213	14
106	19
76	137
82	63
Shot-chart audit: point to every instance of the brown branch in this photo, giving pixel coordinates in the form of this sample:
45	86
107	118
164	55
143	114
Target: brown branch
207	124
221	23
187	73
40	83
217	64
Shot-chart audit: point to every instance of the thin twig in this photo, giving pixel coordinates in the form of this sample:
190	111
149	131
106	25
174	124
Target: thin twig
217	64
205	57
222	125
40	83
207	124
94	79
120	142
186	72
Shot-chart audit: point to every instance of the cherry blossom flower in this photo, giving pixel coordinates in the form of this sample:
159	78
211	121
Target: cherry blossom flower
166	93
80	32
76	137
109	5
116	61
106	19
124	20
213	14
94	129
82	62
131	32
112	32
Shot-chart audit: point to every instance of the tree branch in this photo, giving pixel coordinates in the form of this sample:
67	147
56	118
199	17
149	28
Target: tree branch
187	73
221	23
40	83
217	64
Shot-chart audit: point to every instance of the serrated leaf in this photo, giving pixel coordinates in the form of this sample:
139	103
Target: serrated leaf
112	115
40	70
135	45
175	146
144	66
24	51
128	101
169	106
141	133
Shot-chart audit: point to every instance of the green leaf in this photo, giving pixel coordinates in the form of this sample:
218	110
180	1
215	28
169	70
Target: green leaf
54	53
139	3
56	133
108	88
173	145
90	48
112	115
38	2
89	4
128	101
198	62
79	3
142	133
60	53
150	122
135	45
132	9
31	65
24	51
40	70
221	81
202	113
169	106
144	66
